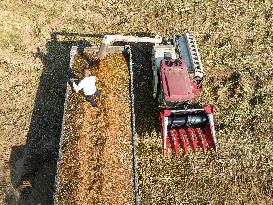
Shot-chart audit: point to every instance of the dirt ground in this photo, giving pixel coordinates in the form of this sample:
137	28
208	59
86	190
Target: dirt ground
235	40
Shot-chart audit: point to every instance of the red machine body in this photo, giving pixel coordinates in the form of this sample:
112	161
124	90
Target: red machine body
175	81
178	76
186	127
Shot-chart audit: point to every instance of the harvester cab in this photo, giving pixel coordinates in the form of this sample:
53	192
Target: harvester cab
178	76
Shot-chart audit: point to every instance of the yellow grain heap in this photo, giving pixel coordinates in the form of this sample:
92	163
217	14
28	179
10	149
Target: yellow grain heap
96	162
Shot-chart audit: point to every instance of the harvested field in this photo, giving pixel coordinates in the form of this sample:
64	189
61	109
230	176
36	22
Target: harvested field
96	159
235	41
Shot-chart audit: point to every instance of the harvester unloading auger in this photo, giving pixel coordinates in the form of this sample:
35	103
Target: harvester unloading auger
178	76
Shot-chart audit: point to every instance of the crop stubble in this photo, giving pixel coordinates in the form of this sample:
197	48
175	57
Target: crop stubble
96	162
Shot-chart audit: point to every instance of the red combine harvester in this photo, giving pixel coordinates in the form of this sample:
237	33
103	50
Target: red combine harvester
178	76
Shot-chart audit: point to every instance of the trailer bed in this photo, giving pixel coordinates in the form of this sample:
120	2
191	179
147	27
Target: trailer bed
95	163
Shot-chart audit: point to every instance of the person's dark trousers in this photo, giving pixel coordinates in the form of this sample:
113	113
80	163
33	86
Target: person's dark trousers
90	98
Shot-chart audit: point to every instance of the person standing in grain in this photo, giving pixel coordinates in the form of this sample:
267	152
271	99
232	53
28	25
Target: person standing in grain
88	85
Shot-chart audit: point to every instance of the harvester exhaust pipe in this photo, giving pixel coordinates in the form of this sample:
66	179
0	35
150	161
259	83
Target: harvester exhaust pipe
108	40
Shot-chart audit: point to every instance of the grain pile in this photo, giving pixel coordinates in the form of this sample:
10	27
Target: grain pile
96	162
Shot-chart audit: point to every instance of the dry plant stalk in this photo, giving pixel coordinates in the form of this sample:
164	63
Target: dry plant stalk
96	162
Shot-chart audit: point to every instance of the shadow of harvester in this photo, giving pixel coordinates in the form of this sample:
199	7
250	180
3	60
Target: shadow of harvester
33	165
146	107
